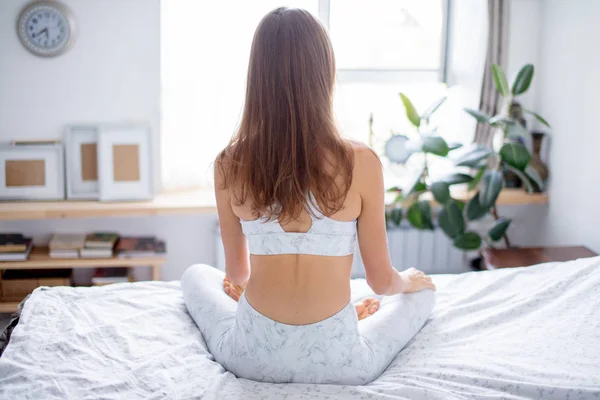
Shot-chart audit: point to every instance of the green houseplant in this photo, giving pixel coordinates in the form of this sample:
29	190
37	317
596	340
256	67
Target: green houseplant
460	221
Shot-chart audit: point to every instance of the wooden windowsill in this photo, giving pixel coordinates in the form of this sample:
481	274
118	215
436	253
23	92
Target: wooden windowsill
507	197
189	202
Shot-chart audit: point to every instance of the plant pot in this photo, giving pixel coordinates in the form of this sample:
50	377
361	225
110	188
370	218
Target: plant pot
536	160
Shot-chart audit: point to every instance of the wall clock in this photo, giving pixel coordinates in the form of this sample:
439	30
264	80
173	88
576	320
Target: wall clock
46	28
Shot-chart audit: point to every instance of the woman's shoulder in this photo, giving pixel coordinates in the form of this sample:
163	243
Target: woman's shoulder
364	156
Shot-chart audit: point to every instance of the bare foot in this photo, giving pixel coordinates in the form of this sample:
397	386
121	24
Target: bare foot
366	308
234	291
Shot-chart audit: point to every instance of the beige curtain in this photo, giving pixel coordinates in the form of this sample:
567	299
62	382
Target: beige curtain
497	50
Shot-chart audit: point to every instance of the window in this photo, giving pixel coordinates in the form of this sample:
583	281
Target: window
382	47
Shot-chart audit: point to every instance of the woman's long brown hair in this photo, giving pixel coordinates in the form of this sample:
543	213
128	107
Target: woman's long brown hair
287	144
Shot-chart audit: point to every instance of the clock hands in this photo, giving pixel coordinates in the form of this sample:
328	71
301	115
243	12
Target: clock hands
45	30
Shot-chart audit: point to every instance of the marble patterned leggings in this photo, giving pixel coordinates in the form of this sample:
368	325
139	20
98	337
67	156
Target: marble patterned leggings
339	350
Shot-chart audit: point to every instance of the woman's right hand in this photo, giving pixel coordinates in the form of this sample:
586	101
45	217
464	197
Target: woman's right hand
414	281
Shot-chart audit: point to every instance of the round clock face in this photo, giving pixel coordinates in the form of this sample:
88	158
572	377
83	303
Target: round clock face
45	28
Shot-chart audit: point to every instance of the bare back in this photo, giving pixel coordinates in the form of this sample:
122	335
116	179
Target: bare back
300	289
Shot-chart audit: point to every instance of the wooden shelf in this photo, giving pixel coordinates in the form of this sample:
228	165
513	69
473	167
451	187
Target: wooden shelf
8	306
507	197
189	202
39	259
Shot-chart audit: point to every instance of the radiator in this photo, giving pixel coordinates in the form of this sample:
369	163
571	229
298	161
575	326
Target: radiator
430	251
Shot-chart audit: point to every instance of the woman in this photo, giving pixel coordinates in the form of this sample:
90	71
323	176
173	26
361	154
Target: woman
294	194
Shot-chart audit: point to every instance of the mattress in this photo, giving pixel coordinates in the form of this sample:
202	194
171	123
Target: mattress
523	333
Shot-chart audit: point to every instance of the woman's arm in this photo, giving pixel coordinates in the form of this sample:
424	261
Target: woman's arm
372	237
237	263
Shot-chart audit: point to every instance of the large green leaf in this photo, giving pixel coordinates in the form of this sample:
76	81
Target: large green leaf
500	81
435	145
523	80
395	215
535	178
475	210
433	108
457	178
491	185
419	215
472	158
454	146
467	241
440	191
473	184
451	220
478	115
411	113
538	117
515	154
499	229
526	181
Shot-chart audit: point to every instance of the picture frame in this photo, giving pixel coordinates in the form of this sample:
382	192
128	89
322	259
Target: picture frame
125	163
81	156
32	172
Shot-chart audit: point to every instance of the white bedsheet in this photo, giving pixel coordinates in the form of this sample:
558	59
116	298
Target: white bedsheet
516	334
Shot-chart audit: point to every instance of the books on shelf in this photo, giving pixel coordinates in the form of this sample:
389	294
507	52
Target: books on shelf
12	242
14	247
142	246
66	245
63	253
99	245
101	240
107	276
95	253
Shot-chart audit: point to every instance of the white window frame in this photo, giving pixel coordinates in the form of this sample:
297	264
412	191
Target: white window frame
393	76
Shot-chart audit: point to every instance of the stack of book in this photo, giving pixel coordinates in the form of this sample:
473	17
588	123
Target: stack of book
141	246
66	245
99	245
107	276
14	247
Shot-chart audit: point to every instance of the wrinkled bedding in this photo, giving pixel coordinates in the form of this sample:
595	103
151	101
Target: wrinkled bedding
523	333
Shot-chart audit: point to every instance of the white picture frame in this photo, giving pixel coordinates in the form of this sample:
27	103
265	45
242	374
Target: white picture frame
125	163
79	141
49	172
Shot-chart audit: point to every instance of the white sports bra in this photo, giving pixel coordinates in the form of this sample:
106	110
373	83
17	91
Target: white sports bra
326	237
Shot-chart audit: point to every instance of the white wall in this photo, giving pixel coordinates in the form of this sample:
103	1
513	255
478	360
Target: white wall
568	97
111	74
524	41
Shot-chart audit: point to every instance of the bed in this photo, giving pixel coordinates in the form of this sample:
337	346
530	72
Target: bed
522	333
